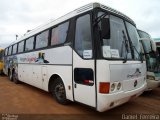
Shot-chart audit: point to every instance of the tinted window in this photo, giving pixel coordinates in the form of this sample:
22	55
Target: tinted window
21	47
10	50
59	34
42	40
83	76
83	41
29	44
15	49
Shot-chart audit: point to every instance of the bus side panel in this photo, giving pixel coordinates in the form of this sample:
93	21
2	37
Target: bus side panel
36	68
30	74
20	72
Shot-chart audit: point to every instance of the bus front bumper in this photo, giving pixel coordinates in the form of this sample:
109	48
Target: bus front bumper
151	84
109	101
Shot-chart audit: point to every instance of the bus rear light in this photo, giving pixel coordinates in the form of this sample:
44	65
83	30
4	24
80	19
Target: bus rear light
119	86
113	87
104	87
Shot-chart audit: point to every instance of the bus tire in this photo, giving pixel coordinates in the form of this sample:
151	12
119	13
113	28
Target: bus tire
58	91
10	75
15	80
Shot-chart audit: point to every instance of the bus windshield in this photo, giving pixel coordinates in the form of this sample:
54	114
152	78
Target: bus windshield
143	34
151	58
147	46
118	46
150	55
133	35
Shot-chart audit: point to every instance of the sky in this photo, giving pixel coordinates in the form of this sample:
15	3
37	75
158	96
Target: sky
18	16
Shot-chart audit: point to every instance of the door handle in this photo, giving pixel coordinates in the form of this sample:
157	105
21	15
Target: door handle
75	85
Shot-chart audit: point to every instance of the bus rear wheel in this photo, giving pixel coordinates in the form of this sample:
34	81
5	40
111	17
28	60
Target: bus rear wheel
15	80
10	76
58	91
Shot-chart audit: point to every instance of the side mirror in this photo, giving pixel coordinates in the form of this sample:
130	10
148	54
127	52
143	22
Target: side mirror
105	28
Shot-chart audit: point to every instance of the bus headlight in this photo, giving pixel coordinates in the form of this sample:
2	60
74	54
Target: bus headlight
119	86
113	87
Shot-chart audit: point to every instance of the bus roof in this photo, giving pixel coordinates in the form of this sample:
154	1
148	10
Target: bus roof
70	15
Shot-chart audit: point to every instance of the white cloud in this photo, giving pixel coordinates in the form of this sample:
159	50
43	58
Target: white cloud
18	16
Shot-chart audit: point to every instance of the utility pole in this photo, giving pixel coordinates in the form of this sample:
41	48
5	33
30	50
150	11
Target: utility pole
16	36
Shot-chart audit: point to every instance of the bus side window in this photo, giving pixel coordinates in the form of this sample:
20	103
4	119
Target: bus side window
83	40
10	50
42	39
14	49
6	52
29	44
59	34
83	76
21	47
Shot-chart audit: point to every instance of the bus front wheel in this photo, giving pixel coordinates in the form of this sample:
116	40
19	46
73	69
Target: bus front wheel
58	91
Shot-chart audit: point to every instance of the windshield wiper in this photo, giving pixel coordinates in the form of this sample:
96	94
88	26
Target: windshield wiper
125	42
98	19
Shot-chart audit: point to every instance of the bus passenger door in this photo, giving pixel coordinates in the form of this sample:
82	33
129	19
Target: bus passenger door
83	63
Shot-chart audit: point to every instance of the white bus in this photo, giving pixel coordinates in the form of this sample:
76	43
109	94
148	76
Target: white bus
149	50
90	55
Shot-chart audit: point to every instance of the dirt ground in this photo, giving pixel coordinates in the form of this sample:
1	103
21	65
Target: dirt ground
26	102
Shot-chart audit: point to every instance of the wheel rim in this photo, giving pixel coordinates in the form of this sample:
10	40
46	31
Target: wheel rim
59	91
